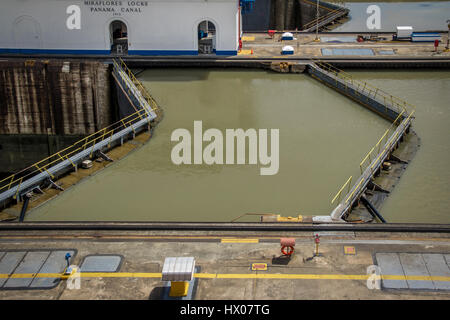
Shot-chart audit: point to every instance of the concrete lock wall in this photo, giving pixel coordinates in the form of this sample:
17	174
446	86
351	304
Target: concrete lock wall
18	151
46	106
283	14
162	27
54	97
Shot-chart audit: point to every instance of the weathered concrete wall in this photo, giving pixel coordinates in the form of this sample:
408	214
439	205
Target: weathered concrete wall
18	151
308	11
259	18
286	14
54	97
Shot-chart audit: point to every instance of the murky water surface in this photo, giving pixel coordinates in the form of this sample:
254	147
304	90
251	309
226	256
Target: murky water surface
323	137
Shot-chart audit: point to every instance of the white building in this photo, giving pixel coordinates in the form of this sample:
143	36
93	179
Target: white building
134	27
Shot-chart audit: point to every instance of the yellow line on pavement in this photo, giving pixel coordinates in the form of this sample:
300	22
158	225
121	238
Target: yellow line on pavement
231	276
241	240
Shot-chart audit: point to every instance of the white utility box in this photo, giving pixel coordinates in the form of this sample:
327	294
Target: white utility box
178	269
404	32
86	164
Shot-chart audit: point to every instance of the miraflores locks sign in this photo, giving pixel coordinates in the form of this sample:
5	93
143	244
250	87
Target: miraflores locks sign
116	7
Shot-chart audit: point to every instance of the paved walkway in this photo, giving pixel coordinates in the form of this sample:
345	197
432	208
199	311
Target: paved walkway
351	265
260	45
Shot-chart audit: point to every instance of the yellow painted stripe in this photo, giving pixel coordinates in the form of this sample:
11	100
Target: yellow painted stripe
293	276
242	240
205	275
119	275
244	52
231	276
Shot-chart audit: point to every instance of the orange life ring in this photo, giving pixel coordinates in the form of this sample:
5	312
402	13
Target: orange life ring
287	252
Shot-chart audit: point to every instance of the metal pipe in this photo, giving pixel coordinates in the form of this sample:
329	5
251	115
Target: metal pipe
24	206
374	212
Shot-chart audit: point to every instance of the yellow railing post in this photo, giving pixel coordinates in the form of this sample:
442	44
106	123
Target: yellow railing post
73	164
82	144
18	188
12	179
338	194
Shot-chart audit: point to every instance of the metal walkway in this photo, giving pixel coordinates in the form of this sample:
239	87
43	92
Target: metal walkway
394	109
335	12
17	185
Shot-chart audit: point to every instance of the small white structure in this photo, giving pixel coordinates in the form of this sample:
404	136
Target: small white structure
287	36
287	50
86	164
179	271
404	32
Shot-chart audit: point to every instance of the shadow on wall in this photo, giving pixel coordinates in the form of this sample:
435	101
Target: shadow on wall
282	14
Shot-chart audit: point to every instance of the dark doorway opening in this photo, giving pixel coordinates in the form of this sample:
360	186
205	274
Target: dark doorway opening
118	32
206	37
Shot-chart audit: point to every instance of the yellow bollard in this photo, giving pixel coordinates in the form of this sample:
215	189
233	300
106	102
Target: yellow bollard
179	288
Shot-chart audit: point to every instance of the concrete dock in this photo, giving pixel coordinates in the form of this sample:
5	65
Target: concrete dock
411	265
355	262
259	45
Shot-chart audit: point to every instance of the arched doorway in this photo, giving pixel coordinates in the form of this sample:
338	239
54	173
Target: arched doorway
206	37
118	33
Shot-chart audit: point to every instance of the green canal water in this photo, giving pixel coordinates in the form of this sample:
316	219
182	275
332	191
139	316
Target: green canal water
423	193
323	137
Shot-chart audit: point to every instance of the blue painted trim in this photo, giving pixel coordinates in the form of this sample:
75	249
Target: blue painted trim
226	53
162	52
107	52
176	53
425	34
54	51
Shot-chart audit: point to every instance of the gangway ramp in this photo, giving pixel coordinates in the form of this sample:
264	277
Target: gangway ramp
397	111
14	187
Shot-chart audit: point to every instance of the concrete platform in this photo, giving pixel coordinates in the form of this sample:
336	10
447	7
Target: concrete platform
32	262
226	265
304	46
419	270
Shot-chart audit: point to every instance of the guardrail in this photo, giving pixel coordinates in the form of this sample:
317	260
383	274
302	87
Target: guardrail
385	145
325	19
372	167
30	177
388	100
141	94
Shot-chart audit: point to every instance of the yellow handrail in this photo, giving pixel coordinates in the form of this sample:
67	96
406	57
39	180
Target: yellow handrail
395	101
322	18
90	140
338	194
400	104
